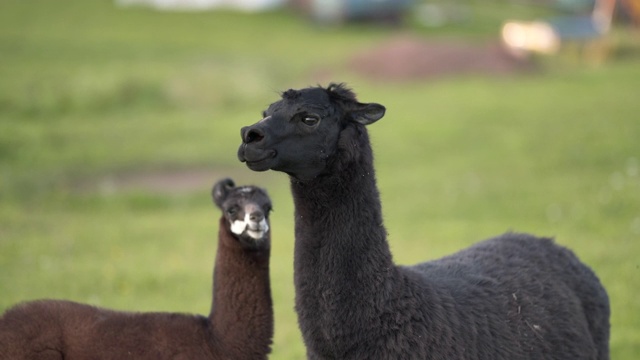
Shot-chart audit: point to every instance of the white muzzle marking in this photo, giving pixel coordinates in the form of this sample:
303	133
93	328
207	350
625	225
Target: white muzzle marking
256	230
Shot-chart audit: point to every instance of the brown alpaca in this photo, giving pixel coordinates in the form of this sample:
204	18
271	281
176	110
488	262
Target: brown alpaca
240	325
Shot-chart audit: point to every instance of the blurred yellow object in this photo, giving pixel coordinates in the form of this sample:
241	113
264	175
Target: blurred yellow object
535	36
547	36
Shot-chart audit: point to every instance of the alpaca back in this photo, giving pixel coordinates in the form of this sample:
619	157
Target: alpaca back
542	290
58	329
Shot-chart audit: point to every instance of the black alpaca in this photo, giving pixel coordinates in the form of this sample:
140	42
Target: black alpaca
240	325
512	297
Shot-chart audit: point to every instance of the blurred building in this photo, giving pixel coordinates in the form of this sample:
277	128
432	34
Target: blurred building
341	11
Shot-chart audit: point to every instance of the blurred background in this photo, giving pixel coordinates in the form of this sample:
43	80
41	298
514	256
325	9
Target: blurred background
116	117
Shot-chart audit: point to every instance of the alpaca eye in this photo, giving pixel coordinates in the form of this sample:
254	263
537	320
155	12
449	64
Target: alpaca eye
232	211
311	120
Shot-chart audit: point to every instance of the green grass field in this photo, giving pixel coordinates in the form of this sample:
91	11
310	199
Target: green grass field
98	104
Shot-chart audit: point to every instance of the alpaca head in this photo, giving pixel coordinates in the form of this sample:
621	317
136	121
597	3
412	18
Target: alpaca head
246	209
302	133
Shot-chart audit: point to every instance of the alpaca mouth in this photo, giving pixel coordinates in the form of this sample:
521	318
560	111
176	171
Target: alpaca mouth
255	235
256	159
259	165
256	230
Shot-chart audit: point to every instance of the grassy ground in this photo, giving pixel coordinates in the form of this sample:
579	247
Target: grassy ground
93	96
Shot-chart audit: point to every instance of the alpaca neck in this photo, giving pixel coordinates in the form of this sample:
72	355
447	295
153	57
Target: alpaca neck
342	259
241	313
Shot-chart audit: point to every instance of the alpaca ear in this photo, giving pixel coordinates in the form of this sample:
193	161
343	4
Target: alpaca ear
366	114
221	190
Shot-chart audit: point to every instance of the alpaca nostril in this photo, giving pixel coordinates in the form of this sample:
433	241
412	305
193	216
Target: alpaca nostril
253	135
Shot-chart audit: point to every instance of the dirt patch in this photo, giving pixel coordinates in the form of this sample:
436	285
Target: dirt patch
162	181
409	57
170	182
